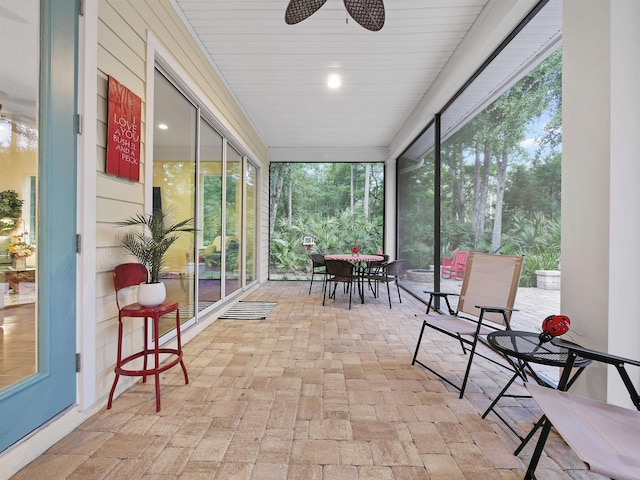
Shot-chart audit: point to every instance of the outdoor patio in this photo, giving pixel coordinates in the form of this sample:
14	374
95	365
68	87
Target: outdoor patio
533	304
314	393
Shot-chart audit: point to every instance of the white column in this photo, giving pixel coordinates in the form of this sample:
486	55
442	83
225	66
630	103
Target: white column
390	207
600	183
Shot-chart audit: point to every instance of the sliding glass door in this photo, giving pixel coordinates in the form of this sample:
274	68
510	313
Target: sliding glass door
210	210
233	220
174	167
199	174
251	202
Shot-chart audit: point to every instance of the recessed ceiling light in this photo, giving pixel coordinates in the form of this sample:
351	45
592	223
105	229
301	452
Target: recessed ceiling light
334	81
163	126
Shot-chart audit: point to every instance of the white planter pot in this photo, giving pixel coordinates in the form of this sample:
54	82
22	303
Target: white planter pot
548	279
20	263
151	294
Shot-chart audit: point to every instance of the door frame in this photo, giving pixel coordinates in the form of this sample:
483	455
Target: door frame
52	389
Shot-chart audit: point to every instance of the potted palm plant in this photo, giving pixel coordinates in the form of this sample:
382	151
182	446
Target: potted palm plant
150	245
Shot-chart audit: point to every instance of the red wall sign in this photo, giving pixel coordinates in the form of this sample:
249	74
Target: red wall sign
123	132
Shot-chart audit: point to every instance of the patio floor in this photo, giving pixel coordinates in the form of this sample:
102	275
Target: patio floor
313	393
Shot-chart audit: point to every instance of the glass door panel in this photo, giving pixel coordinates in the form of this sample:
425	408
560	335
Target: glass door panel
19	161
416	170
174	167
210	209
250	209
233	223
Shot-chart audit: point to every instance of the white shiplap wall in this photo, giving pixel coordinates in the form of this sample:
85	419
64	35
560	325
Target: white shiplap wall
123	26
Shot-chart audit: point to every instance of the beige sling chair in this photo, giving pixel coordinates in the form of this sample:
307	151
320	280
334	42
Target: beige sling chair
485	305
605	437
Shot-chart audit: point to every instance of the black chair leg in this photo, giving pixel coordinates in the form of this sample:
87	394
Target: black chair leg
415	355
535	458
324	291
472	351
389	292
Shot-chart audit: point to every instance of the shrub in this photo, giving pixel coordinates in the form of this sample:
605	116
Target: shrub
536	261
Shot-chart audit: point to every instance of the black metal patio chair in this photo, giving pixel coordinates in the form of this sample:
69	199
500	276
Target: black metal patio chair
385	273
318	267
485	305
604	436
340	271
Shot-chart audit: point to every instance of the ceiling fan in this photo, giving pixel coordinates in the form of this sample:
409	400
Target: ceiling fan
368	13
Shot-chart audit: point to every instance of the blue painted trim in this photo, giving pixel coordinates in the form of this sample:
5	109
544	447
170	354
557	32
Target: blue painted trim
31	403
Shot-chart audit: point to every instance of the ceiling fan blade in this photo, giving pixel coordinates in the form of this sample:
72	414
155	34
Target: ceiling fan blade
368	13
298	10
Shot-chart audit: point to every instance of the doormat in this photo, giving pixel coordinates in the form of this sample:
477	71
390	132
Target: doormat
248	311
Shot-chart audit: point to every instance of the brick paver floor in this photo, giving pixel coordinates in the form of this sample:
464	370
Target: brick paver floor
310	393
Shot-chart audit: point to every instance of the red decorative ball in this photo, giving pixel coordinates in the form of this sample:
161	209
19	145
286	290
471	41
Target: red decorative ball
556	325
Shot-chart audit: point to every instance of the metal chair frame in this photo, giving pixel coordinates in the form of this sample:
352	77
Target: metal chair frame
318	267
487	297
385	273
125	276
341	271
576	352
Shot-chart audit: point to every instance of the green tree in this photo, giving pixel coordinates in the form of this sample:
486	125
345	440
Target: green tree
492	140
335	203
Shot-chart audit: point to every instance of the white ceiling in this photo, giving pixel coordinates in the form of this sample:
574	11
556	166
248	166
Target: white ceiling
19	61
278	72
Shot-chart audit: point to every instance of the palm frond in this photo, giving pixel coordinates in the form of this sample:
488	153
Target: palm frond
150	244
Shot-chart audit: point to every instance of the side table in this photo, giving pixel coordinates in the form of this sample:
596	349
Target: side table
15	277
521	349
